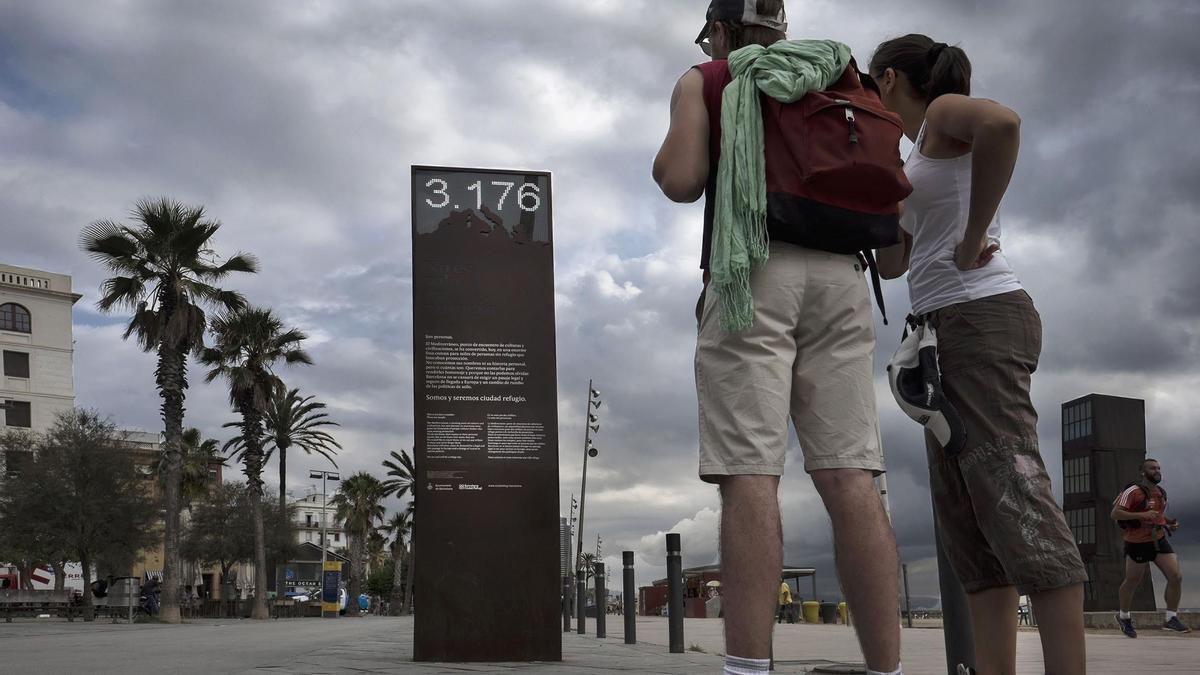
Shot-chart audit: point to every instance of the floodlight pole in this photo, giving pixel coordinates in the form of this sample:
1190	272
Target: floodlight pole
323	475
580	574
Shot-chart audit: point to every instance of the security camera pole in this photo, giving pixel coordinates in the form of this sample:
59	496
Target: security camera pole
591	423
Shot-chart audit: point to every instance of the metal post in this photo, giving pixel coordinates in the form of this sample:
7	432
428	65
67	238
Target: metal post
601	601
566	603
580	599
580	577
629	600
324	503
907	604
675	593
956	616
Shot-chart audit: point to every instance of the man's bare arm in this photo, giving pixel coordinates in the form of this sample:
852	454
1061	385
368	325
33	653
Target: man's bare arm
681	167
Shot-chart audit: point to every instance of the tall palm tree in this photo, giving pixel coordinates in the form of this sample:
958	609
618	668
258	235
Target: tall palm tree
165	271
247	344
293	421
401	478
359	503
377	545
399	526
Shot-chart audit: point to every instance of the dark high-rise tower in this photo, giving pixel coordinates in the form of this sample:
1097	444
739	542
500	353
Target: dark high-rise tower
1104	443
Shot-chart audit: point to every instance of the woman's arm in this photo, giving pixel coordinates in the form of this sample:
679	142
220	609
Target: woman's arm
893	260
994	133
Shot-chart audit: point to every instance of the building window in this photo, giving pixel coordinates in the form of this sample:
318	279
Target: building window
337	536
1083	525
1077	476
1077	421
15	318
16	364
308	520
18	414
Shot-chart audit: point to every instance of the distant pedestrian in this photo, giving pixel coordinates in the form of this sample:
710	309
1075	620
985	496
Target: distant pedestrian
1141	511
785	604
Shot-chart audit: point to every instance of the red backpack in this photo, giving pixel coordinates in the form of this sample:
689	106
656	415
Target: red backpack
834	173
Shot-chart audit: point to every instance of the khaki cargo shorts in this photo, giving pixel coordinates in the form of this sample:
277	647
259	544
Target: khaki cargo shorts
808	356
1000	522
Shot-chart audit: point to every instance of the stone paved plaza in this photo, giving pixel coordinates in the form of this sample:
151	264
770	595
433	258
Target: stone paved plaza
384	645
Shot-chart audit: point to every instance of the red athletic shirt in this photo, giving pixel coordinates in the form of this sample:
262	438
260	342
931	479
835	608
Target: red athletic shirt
1130	500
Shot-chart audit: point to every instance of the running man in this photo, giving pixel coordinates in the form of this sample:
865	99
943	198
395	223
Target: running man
1141	511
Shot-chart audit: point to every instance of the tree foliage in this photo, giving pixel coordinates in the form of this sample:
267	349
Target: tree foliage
359	502
221	531
80	497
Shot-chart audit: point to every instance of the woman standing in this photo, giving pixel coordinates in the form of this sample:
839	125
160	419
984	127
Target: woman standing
1001	526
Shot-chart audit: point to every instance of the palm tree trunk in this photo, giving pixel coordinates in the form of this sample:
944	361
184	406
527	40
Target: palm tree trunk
282	510
354	587
395	603
172	382
408	584
252	433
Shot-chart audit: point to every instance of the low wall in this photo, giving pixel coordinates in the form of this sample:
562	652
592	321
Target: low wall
1141	620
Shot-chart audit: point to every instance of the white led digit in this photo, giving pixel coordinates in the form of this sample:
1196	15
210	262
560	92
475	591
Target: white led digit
440	191
529	191
506	191
477	187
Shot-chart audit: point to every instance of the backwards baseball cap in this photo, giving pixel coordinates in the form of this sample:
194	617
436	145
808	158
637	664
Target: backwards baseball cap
744	12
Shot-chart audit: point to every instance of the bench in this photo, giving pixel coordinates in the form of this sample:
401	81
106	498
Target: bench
14	602
286	609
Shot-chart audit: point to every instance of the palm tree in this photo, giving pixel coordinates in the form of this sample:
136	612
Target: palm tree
399	527
199	455
359	503
377	544
293	421
402	475
248	344
164	271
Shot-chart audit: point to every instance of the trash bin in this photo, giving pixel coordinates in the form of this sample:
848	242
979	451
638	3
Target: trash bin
843	614
123	596
828	612
812	611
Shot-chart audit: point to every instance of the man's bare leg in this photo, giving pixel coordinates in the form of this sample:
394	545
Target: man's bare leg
1168	563
1133	577
867	562
994	621
1060	621
751	562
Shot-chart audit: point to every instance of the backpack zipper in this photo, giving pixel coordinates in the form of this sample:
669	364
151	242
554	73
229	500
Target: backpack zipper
850	123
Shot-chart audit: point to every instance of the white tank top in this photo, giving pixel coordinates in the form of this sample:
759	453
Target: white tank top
935	214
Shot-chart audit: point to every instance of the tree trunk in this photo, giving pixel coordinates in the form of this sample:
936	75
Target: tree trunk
408	584
252	434
60	575
282	451
397	598
89	610
172	384
354	585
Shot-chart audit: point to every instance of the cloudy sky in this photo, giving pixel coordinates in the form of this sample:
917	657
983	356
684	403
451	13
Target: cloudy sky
295	124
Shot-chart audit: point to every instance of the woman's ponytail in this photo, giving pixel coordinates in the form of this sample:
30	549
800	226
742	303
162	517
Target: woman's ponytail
932	68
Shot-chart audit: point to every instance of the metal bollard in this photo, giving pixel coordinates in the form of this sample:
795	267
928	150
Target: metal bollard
566	604
629	600
601	601
580	599
956	616
674	593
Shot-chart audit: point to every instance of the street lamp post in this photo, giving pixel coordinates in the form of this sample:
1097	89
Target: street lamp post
591	424
324	476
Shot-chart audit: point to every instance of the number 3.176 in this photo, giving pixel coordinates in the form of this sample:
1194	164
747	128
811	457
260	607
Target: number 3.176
528	195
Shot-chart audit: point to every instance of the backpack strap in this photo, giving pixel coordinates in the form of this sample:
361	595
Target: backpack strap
867	258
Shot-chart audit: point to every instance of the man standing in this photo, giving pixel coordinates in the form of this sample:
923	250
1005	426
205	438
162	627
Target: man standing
785	603
1141	510
807	353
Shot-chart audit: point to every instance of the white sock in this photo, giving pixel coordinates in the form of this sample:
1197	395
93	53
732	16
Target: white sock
1170	615
1123	615
898	671
736	665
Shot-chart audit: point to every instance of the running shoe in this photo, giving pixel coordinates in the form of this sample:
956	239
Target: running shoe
1175	625
1127	626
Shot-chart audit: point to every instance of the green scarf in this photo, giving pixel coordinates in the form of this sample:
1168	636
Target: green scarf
785	71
